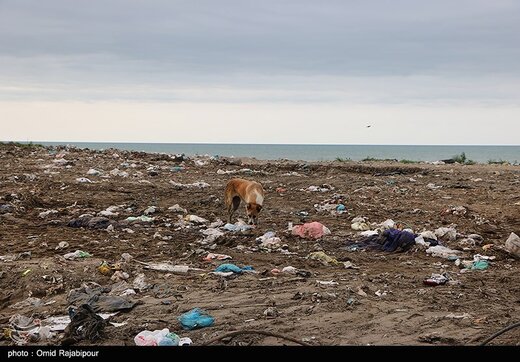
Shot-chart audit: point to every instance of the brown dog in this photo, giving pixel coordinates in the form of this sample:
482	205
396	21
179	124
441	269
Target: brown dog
250	192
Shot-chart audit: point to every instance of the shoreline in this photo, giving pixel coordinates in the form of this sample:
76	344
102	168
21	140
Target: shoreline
455	160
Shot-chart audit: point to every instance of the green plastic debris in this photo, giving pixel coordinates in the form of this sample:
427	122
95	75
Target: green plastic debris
480	265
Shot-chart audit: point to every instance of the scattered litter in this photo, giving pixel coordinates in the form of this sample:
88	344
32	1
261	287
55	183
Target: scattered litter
368	233
83	180
238	226
177	208
428	235
387	224
289	270
29	302
23	330
97	297
212	256
13	257
126	257
44	214
460	316
322	283
360	226
150	210
394	239
195	219
140	283
271	312
90	222
322	188
349	265
242	170
109	211
117	172
380	293
78	254
93	172
26	272
269	240
119	275
341	208
479	262
216	224
161	337
211	235
471	240
142	218
199	184
359	219
313	230
84	324
226	268
196	318
6	208
167	267
436	279
480	265
444	233
361	292
456	210
104	268
513	244
323	258
442	251
432	186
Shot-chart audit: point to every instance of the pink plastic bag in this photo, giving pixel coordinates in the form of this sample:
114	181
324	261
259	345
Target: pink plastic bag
312	230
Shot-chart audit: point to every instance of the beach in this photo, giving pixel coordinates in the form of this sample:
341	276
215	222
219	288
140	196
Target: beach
364	296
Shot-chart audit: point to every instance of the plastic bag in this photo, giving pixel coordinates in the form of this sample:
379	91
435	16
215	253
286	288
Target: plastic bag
196	318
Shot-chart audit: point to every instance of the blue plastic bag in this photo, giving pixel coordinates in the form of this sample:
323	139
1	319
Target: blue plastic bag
196	318
225	268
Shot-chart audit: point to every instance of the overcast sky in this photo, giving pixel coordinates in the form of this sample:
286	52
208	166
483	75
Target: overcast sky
417	72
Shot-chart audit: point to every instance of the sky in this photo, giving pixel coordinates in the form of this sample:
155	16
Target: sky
271	71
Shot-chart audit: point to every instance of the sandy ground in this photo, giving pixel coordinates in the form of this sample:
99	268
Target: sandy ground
382	300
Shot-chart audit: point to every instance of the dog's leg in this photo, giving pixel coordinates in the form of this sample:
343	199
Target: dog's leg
232	208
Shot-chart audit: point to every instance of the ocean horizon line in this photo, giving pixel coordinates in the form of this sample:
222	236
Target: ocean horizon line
315	152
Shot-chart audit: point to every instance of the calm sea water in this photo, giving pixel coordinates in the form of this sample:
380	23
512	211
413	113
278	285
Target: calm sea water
481	154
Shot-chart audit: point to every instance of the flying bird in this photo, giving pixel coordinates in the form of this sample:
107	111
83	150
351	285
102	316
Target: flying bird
369	126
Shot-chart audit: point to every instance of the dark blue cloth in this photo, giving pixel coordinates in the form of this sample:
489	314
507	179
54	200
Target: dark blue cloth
389	240
394	238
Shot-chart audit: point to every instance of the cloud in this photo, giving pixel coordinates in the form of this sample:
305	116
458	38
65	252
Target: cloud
335	38
267	56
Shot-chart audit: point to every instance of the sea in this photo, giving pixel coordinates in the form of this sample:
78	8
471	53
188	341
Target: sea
479	154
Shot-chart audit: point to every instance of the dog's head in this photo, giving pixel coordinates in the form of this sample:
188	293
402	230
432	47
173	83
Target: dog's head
252	211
